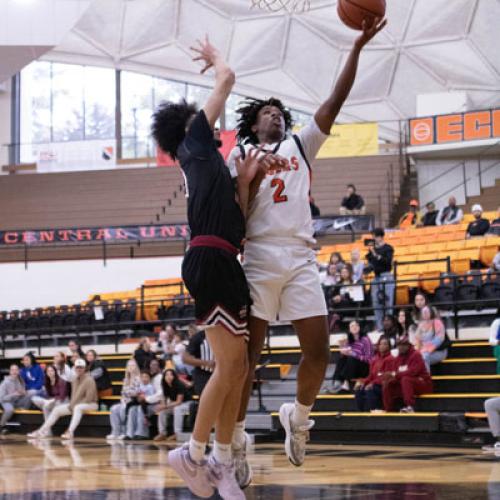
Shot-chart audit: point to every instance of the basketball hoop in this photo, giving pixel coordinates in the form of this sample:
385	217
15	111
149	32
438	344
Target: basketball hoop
286	5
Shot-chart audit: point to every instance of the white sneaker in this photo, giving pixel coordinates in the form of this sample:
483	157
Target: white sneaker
243	470
121	437
492	447
111	437
67	436
296	437
196	476
407	409
39	434
224	479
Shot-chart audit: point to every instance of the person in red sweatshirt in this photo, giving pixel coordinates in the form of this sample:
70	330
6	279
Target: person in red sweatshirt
368	392
408	378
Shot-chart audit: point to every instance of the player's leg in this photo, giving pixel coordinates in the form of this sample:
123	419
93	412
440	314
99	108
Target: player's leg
240	443
258	330
222	390
303	303
294	417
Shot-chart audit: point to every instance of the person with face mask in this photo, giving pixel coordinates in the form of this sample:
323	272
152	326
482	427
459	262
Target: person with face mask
408	379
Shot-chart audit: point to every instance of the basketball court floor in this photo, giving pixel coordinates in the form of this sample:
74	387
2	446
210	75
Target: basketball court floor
92	469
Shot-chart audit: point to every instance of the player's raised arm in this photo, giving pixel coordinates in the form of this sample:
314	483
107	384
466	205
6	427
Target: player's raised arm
224	79
328	111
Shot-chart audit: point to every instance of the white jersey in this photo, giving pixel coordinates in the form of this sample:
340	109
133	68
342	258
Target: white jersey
281	207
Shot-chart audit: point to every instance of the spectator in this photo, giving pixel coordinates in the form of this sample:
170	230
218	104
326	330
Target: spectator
352	203
74	358
419	302
32	375
130	389
492	409
431	339
56	392
404	321
339	297
412	218
100	374
368	392
315	211
408	378
429	219
495	263
155	369
137	410
143	354
495	224
83	399
354	359
392	330
165	342
62	368
199	355
332	275
451	214
495	339
13	395
176	402
380	257
479	226
75	348
179	348
358	265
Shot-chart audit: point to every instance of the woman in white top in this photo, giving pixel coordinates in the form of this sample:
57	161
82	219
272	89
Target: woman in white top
62	367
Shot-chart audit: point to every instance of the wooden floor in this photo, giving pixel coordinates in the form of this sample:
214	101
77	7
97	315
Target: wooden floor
92	469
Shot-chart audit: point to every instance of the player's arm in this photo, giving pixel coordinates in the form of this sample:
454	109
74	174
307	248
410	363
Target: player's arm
224	79
327	113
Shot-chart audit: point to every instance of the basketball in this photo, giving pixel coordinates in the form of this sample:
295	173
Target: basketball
353	12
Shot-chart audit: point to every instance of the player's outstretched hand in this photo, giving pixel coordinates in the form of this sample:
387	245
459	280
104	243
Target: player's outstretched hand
370	28
248	167
205	52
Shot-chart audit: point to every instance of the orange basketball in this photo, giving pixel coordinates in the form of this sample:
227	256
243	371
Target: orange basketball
352	12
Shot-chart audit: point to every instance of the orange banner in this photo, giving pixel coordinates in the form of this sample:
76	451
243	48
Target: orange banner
459	127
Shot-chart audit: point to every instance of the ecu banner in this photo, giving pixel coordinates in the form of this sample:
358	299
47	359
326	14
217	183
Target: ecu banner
114	234
458	127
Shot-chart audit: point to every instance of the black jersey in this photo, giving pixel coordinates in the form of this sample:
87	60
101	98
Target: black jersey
212	206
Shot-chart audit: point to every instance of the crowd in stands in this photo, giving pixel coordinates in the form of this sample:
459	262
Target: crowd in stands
398	367
158	382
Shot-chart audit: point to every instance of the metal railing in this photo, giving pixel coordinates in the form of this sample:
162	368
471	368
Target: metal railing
465	178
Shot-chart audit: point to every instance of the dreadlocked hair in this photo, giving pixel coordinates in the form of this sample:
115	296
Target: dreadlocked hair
249	111
169	125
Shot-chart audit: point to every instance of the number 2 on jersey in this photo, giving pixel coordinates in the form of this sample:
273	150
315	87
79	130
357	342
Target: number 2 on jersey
278	195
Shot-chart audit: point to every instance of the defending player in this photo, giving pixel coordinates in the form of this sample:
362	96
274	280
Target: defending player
279	263
212	273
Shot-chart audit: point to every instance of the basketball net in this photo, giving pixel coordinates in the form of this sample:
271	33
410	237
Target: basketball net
287	5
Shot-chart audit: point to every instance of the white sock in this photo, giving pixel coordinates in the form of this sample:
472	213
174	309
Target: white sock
239	435
197	450
300	414
222	453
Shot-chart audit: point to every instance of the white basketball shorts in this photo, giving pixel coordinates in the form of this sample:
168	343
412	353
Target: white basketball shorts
284	280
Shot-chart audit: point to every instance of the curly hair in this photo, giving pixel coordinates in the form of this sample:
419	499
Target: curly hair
249	111
169	125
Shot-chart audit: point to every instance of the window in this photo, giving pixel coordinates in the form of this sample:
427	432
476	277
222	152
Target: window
65	102
232	105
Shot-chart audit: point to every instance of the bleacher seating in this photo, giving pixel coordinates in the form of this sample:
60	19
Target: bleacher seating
461	385
93	198
377	178
417	245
